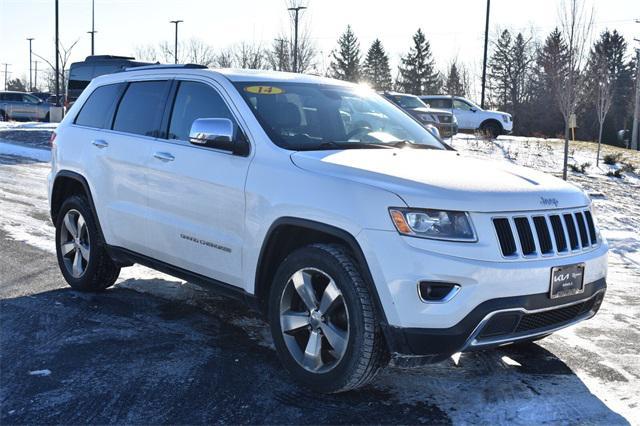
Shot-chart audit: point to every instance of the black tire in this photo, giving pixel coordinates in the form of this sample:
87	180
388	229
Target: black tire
99	271
365	352
46	118
491	129
3	116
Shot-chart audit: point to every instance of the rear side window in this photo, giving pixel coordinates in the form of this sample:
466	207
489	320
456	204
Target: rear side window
98	109
439	103
195	100
140	110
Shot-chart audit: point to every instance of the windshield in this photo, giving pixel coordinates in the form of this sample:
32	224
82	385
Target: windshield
408	101
302	116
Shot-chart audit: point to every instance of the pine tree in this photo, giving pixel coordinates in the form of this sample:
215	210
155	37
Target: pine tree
550	62
376	67
611	48
454	84
501	70
345	64
418	73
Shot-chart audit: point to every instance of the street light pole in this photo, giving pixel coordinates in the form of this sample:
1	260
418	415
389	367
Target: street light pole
30	64
93	26
484	60
175	49
295	36
635	144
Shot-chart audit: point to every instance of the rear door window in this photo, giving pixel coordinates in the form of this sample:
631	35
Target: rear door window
195	100
98	109
439	103
141	108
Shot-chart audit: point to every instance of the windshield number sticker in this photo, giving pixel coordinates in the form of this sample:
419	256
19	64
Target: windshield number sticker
264	90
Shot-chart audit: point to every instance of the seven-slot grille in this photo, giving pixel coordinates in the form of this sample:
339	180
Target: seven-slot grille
545	234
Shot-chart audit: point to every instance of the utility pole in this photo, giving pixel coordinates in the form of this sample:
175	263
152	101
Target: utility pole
30	64
93	26
57	59
6	74
175	49
636	111
484	60
296	10
35	76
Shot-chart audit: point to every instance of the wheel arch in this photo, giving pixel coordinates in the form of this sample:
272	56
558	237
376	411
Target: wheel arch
290	233
65	184
492	121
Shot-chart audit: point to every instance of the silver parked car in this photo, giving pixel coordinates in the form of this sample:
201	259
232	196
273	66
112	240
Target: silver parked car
23	106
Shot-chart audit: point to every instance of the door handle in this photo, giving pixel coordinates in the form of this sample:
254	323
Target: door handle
99	143
164	156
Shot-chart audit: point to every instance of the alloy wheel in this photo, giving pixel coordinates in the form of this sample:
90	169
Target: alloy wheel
74	243
314	320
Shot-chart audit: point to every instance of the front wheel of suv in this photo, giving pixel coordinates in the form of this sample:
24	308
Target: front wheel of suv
80	248
323	320
491	129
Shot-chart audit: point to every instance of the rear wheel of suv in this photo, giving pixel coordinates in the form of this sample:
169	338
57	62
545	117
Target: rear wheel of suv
80	248
323	320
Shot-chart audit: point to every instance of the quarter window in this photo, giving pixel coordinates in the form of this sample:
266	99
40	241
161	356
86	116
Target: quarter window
97	110
140	110
195	100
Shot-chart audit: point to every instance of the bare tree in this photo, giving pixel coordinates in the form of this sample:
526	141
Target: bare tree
603	96
576	23
199	52
146	52
224	59
249	55
63	56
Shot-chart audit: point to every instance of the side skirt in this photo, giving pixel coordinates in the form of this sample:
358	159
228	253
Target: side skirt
127	257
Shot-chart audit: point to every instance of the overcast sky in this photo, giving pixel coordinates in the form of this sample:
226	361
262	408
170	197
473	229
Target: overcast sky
454	27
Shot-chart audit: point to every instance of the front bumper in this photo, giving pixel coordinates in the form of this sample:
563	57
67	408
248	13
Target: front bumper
497	322
446	129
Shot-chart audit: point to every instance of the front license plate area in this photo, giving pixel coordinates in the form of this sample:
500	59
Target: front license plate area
566	280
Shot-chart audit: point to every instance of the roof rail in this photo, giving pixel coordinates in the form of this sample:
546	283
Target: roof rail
107	58
165	66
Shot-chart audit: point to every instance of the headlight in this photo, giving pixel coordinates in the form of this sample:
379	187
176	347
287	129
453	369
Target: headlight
435	224
506	118
426	117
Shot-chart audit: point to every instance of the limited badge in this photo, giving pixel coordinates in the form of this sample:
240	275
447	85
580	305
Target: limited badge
264	90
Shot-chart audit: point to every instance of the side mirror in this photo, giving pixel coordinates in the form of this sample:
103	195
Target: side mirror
217	133
473	110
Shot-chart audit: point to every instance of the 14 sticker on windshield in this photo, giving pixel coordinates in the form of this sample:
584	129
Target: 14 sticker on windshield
264	90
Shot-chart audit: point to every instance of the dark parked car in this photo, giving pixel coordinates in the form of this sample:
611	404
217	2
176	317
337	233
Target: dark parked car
444	121
81	73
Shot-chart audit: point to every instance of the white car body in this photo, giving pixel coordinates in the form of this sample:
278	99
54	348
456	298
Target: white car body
469	115
210	212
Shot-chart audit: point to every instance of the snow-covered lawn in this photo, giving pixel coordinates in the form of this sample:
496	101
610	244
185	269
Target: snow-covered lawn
584	374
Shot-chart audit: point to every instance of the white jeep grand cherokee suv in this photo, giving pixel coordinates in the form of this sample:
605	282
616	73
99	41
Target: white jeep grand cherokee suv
359	244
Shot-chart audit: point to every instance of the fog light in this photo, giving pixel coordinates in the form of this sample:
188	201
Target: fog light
435	291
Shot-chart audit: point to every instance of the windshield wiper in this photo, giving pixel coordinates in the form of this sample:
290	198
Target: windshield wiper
407	143
343	145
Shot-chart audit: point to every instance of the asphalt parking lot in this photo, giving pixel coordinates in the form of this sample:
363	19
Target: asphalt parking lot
153	349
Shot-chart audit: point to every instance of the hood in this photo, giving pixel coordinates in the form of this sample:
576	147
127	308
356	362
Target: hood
446	179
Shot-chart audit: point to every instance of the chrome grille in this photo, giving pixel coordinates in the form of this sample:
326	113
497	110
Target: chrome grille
545	233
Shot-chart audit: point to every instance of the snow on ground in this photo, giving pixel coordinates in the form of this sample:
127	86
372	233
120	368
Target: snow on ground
588	372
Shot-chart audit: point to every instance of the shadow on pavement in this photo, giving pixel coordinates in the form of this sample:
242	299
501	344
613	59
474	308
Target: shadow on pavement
126	357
